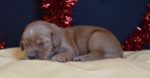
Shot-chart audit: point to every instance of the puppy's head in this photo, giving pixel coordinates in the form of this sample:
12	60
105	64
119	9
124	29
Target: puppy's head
38	41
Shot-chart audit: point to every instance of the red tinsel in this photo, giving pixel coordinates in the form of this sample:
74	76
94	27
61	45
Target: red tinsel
2	45
141	37
58	11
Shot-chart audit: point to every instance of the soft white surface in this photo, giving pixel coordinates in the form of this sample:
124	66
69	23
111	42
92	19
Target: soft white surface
134	65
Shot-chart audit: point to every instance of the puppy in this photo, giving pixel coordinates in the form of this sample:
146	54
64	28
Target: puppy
46	41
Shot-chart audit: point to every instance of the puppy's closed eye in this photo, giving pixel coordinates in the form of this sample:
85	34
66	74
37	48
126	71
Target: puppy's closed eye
43	42
40	44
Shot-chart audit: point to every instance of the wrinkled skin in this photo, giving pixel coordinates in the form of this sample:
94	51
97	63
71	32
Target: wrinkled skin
36	41
46	41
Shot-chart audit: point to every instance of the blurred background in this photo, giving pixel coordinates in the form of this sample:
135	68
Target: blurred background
119	16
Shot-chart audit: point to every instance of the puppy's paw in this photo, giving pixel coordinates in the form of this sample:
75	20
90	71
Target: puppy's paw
79	58
58	59
62	57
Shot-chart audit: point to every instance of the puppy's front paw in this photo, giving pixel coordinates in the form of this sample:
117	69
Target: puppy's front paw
62	57
79	58
58	59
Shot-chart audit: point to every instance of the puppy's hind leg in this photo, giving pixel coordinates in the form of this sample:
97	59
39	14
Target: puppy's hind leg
89	57
95	46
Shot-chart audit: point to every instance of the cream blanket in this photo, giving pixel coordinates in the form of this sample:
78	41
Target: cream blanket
134	65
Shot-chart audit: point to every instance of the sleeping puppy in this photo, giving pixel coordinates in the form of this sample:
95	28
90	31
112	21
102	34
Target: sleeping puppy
46	41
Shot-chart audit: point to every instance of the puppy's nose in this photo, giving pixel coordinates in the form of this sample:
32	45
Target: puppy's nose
32	55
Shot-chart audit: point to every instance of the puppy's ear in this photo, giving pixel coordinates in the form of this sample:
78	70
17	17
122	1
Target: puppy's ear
55	34
55	39
22	46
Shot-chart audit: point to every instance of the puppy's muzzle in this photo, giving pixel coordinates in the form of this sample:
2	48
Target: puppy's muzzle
32	55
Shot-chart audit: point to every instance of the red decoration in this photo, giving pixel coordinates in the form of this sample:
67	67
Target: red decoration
141	37
2	43
58	11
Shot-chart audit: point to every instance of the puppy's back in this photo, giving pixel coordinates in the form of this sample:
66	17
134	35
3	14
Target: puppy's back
83	33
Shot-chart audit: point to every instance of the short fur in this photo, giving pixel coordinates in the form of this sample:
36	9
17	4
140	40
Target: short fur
45	41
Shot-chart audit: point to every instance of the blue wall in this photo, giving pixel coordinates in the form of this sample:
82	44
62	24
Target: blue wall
119	16
14	15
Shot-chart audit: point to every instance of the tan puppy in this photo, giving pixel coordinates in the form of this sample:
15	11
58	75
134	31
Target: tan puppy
42	40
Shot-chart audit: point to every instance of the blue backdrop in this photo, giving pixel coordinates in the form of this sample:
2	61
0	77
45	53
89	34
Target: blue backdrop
119	16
